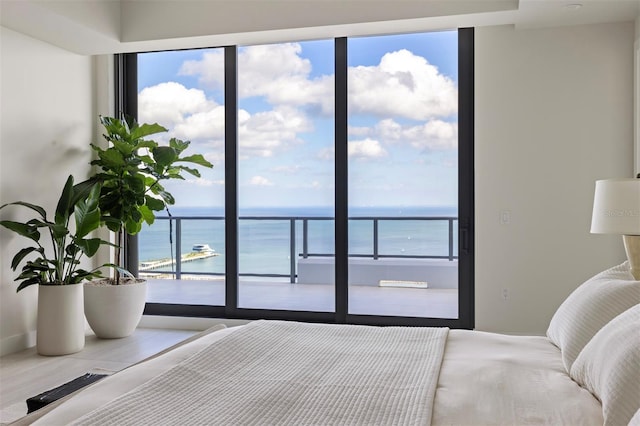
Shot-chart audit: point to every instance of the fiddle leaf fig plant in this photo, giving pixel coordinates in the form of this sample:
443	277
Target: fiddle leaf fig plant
131	171
60	265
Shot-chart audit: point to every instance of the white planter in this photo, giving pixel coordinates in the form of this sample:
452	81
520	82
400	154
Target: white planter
60	319
114	311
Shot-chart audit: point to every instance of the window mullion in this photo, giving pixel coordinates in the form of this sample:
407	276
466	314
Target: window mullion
231	179
341	182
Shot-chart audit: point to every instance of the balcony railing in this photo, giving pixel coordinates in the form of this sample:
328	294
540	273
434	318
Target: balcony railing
305	253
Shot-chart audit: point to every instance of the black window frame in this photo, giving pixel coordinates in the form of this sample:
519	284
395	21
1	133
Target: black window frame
126	102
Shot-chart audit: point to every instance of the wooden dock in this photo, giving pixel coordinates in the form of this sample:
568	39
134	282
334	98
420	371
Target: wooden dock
187	257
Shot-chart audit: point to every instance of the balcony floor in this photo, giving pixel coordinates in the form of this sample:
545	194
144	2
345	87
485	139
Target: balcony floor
363	300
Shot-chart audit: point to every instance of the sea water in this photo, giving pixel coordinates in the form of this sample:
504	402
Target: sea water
264	246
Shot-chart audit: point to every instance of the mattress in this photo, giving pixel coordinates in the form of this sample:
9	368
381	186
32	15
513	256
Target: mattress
485	379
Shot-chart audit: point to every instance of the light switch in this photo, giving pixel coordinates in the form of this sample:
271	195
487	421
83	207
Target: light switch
505	217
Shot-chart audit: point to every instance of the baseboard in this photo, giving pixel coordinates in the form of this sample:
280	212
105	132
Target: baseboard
17	343
24	341
186	323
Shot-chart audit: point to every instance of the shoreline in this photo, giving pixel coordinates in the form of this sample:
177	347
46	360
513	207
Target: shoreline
187	257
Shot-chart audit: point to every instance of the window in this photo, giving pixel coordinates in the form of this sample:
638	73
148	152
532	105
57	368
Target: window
285	189
403	175
339	165
187	244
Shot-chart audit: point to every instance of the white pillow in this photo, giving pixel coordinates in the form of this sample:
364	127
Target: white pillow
590	307
609	367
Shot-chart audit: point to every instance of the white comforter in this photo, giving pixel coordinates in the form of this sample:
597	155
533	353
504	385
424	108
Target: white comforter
497	379
485	379
285	373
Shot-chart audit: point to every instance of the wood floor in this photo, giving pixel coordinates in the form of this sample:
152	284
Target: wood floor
26	374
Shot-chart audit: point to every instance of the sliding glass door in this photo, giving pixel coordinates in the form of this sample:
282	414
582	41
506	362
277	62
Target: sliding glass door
403	175
285	176
342	187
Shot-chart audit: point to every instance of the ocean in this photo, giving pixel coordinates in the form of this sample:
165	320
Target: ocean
264	245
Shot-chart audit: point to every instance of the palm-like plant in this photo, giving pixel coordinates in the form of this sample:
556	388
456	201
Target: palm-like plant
61	264
131	171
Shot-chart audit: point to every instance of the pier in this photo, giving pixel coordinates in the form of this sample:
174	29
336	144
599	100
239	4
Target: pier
188	257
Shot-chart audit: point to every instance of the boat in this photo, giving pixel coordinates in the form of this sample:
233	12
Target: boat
202	248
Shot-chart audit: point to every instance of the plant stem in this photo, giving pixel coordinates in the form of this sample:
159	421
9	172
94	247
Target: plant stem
119	237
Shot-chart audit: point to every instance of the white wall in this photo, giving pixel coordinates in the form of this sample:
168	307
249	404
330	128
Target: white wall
47	119
554	113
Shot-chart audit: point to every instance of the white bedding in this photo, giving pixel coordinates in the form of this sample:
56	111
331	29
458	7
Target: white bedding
496	379
277	372
484	379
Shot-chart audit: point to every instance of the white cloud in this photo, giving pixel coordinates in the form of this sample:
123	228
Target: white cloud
260	181
168	103
205	125
275	71
432	135
366	149
263	133
205	182
358	131
404	85
210	69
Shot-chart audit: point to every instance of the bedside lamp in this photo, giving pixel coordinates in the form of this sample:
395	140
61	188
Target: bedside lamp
616	210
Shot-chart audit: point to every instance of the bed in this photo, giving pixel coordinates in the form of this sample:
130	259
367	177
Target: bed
584	372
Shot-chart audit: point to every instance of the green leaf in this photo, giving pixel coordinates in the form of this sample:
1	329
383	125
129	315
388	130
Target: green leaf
89	246
197	159
154	203
111	158
147	144
82	190
22	229
27	283
64	207
132	227
178	144
164	155
146	130
58	231
135	183
38	209
87	214
191	171
81	274
167	197
21	255
147	214
125	148
146	159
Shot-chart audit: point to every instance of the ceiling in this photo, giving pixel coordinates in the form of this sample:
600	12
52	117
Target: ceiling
108	26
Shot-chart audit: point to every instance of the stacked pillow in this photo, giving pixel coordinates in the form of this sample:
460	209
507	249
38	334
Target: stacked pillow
590	307
597	331
609	367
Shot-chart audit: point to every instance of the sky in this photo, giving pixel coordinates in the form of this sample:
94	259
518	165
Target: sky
402	120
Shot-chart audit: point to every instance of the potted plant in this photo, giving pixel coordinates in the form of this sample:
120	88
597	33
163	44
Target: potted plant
57	271
130	171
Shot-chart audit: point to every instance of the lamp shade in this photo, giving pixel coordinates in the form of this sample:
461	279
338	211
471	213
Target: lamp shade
616	207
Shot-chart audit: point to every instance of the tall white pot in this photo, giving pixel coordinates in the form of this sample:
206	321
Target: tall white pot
60	319
114	311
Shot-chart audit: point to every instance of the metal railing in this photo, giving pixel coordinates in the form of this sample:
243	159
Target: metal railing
293	255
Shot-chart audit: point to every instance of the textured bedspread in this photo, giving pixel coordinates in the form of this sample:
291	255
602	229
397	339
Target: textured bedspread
273	372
